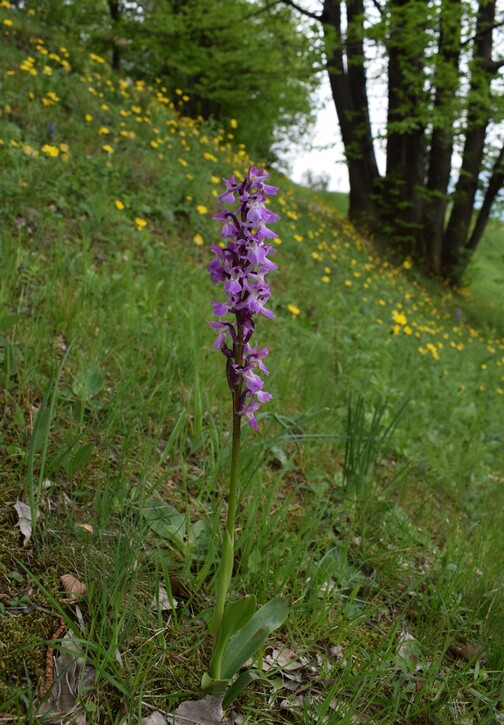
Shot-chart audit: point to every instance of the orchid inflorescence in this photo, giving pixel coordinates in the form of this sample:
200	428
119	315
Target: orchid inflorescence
239	628
242	265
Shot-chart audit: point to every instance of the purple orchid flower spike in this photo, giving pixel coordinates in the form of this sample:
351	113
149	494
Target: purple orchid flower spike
242	266
241	263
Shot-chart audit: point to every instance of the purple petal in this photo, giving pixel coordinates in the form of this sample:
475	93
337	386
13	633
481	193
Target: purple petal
220	308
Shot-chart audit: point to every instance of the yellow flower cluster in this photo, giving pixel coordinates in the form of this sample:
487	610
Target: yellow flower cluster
52	151
50	99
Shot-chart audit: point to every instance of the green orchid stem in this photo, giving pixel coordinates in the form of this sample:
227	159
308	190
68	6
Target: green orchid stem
227	559
226	564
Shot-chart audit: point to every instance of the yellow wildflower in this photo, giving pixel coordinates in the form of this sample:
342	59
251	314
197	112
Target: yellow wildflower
198	240
202	209
399	317
140	223
108	149
49	150
294	310
118	204
433	349
96	58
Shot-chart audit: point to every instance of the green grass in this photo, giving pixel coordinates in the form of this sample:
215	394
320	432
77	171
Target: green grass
372	496
486	276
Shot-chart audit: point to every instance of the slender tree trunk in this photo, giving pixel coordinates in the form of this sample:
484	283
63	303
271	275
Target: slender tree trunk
446	83
358	84
494	186
115	14
456	235
347	77
401	198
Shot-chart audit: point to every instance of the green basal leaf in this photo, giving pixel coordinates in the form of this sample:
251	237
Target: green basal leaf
198	538
82	457
87	384
239	685
213	687
235	617
252	636
166	521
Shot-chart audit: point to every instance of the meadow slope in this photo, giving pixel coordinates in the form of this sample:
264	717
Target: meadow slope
372	495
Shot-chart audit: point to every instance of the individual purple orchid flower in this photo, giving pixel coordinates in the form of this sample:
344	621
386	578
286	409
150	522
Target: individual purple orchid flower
242	266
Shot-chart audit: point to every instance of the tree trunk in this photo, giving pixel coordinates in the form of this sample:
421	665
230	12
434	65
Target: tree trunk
446	82
401	198
348	86
456	235
115	14
494	186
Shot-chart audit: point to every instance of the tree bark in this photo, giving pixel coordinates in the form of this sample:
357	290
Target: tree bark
401	198
446	82
494	186
347	76
115	14
456	236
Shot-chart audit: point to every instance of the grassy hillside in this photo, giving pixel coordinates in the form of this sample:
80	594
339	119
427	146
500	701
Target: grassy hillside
372	495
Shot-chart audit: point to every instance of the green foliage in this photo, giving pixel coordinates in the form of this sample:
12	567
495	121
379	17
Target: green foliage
252	63
242	633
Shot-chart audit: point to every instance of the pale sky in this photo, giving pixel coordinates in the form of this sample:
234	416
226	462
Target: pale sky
327	155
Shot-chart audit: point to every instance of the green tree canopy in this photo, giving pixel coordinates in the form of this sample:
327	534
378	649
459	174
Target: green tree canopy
235	59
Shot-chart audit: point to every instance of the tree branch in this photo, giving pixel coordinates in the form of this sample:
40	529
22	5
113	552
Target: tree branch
480	33
303	11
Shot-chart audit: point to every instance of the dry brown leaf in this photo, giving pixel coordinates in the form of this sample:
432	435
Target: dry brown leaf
25	520
155	718
207	711
468	650
73	587
162	601
285	659
407	653
71	676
